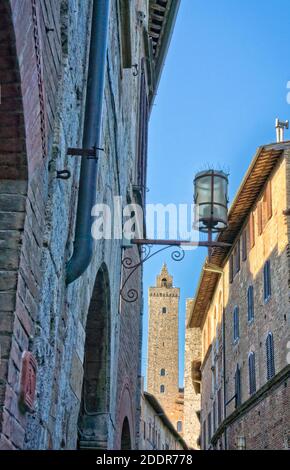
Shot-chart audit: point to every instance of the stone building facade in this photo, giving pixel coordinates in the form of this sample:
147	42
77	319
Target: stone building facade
163	340
157	431
192	379
79	342
242	310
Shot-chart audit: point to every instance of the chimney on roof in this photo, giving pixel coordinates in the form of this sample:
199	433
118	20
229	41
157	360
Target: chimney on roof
280	126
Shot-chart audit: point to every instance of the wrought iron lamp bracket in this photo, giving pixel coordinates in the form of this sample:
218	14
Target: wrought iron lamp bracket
146	246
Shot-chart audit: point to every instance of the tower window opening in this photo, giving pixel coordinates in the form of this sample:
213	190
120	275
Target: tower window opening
179	426
162	372
162	389
164	309
164	282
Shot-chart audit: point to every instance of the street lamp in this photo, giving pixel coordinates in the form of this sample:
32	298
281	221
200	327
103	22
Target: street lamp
211	201
211	216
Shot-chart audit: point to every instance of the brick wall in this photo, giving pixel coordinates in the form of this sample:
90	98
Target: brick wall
41	314
191	394
269	316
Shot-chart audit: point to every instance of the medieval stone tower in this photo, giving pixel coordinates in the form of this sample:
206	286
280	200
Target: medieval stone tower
162	372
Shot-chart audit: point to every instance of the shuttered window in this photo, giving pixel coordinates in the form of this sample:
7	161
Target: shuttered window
251	231
236	323
252	373
214	416
204	434
267	281
238	394
250	299
270	356
260	218
244	245
237	261
231	269
219	410
268	202
143	135
209	431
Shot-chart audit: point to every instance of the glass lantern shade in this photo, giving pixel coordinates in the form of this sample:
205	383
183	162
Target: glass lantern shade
211	201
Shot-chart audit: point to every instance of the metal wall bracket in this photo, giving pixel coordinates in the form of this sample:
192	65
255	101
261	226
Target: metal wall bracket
89	153
131	295
63	174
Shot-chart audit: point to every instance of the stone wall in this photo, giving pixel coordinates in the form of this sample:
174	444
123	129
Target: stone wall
44	316
261	418
192	404
163	346
154	433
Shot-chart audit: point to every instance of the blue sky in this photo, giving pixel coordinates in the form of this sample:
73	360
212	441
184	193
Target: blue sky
223	85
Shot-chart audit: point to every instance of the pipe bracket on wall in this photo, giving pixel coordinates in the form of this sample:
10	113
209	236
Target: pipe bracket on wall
89	153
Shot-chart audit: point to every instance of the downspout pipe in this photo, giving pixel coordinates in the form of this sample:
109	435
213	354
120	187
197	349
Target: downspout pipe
83	242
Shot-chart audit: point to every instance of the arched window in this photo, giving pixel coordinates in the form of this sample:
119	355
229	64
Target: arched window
270	356
252	373
162	372
250	298
164	282
162	389
236	323
179	426
164	310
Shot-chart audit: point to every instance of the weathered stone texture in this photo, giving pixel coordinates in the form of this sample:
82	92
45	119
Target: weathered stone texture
163	346
37	218
192	355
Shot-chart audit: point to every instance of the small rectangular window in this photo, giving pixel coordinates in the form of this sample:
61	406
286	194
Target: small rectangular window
250	299
252	373
236	324
260	217
244	245
214	416
268	202
204	434
238	398
164	310
270	356
231	269
219	410
267	281
237	257
251	231
209	431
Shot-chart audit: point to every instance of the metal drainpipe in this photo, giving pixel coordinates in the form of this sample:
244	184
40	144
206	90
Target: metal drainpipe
83	242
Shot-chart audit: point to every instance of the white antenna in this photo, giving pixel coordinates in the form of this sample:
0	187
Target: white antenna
280	126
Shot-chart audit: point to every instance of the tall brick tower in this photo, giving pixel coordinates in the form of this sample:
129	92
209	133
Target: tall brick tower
162	369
